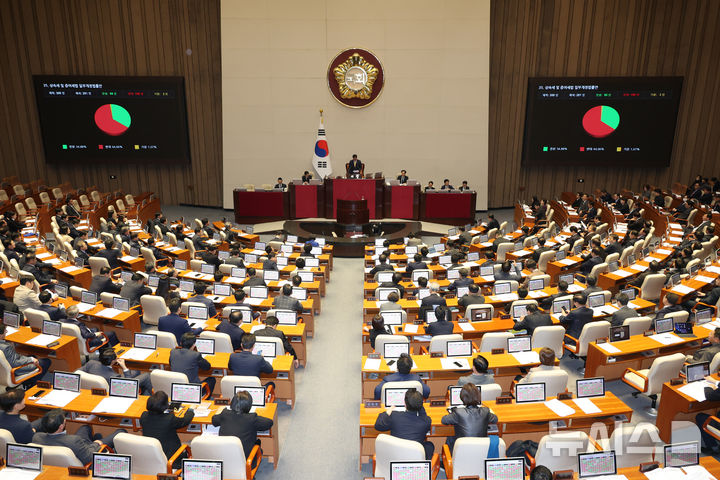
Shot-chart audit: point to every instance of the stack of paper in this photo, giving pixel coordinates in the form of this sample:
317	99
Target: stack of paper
466	327
622	273
118	405
526	358
42	340
568	261
58	398
713	269
137	354
372	364
504	297
410	328
639	268
666	338
559	408
575	288
127	258
704	279
254	301
9	473
109	312
695	390
608	348
586	405
682	289
536	294
70	269
84	307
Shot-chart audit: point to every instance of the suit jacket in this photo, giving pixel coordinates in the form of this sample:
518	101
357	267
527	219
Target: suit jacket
112	256
36	272
669	309
81	447
381	267
711	298
477	379
399	377
507	276
406	425
241	425
619	317
205	301
471	299
402	178
440	328
394	285
470	421
415	265
164	426
576	320
236	261
538	251
271	332
269	265
587	266
176	325
133	291
21	430
188	362
354	166
26	298
492	224
102	284
533	321
431	300
706	354
55	313
460	282
614	247
15	359
285	302
96	368
254	282
233	331
246	363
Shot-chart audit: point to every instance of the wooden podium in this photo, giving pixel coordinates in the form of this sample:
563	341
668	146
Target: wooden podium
353	212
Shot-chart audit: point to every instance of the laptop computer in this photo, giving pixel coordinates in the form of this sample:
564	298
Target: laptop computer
112	466
681	454
596	464
286	317
22	456
620	332
417	470
458	348
454	395
257	394
395	397
393	350
519	311
202	469
11	319
664	325
512	468
391	317
299	293
568	278
697	371
122	304
590	387
205	346
558	305
684	329
266	349
198	312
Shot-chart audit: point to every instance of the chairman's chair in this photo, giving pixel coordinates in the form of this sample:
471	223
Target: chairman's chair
147	454
468	456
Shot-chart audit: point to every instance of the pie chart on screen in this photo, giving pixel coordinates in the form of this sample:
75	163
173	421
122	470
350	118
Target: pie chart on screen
601	121
112	119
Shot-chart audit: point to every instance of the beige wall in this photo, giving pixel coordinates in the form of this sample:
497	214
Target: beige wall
431	119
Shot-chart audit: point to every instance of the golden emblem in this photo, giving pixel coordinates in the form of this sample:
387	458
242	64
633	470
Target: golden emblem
355	77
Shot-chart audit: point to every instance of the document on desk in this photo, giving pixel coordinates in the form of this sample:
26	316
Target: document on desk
608	347
210	430
698	472
575	288
43	256
668	473
70	269
666	338
84	307
664	251
522	253
674	239
109	312
117	405
586	405
682	289
526	358
5	280
567	261
710	325
704	279
488	278
504	297
58	398
623	273
713	269
559	408
9	473
455	363
10	330
639	268
372	364
137	354
127	258
695	390
411	328
202	324
466	327
42	340
537	294
254	301
53	261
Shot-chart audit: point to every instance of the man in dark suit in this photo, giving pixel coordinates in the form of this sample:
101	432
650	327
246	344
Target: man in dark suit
382	265
492	223
190	362
210	256
355	166
463	281
251	280
231	327
670	305
134	289
504	273
104	368
442	326
176	324
540	249
285	301
446	185
705	226
578	317
200	297
412	424
465	236
706	354
270	263
592	286
82	443
434	298
89	333
473	297
711	298
15	360
402	178
416	264
404	365
239	295
395	283
55	313
595	259
623	312
271	330
112	255
562	292
280	184
102	282
614	246
712	394
234	258
33	267
246	362
533	319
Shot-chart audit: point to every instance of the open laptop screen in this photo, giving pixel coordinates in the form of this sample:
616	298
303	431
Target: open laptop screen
124	387
697	371
392	317
505	469
596	464
23	456
145	340
418	470
113	466
202	469
394	350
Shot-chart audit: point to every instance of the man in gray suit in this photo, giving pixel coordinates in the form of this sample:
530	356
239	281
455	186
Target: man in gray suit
623	312
25	295
104	368
134	289
473	297
190	362
286	302
706	354
83	444
16	360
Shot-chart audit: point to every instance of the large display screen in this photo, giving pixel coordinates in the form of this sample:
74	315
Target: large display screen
607	121
108	119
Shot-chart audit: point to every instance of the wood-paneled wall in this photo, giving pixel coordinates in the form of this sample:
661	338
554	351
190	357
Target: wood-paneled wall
114	37
602	38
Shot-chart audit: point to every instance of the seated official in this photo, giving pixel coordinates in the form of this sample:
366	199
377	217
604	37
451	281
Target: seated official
200	297
247	363
231	327
253	280
465	237
575	320
464	187
395	283
562	292
471	421
174	323
285	301
382	265
102	282
355	167
670	305
89	333
83	443
306	177
160	422
446	185
443	325
434	298
237	421
190	362
234	258
473	297
280	184
463	281
480	374
592	286
35	268
12	401
240	295
15	360
412	424
210	256
404	365
392	303
706	354
402	178
271	330
430	186
624	312
112	255
533	319
104	367
547	363
378	328
270	263
134	289
46	299
25	295
504	273
594	259
416	264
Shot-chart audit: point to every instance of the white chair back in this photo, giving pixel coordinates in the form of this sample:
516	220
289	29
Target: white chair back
88	381
469	455
162	380
490	392
153	307
58	456
550	336
35	317
228	449
223	344
381	340
662	370
279	347
634	444
638	325
96	263
229	382
438	343
555	381
591	332
392	449
5	435
494	340
164	339
147	453
472	308
651	287
558	451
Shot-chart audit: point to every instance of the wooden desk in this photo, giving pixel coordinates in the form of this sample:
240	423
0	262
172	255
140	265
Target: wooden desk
529	421
283	375
307	314
65	356
125	325
637	352
295	333
86	402
675	405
